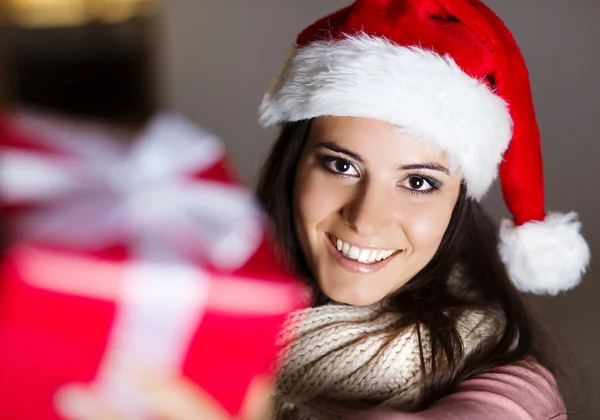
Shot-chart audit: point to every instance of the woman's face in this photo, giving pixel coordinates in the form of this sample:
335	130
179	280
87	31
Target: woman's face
371	206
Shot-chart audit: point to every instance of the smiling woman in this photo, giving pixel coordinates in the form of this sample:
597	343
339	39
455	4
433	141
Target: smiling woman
361	206
395	122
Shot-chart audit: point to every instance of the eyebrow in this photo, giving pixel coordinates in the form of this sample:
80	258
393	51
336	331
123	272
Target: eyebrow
335	148
426	165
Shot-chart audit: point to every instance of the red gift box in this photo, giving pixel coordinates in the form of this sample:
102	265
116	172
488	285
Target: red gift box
149	254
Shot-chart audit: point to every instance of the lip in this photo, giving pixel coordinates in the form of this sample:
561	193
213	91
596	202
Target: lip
354	266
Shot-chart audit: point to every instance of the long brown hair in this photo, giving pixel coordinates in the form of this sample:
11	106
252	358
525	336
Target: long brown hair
430	299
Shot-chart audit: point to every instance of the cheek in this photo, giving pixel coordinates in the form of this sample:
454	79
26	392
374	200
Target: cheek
314	202
425	227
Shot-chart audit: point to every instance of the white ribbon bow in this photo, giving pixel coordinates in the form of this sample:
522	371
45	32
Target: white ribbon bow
99	192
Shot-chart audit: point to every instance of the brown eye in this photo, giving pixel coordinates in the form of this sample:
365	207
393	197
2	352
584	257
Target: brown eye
419	183
342	166
416	182
339	166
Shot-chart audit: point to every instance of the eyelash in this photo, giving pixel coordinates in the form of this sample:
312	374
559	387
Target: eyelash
326	159
433	183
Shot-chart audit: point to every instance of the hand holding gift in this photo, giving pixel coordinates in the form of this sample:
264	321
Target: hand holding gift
170	398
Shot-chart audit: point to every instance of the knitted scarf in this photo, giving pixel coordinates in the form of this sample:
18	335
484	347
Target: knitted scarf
336	359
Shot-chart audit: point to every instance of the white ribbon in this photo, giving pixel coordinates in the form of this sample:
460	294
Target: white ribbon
99	193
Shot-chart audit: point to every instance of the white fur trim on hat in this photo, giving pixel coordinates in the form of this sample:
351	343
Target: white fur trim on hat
425	94
545	257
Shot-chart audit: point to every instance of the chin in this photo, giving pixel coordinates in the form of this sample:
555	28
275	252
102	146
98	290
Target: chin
351	296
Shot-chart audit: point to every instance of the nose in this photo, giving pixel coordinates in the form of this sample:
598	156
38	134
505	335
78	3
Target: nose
370	210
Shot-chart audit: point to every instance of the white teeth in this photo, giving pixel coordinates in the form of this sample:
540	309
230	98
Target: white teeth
366	256
373	256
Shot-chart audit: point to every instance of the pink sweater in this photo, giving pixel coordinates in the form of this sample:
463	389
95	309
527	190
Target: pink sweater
522	391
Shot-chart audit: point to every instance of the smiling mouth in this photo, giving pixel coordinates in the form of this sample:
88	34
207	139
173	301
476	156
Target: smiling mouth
362	255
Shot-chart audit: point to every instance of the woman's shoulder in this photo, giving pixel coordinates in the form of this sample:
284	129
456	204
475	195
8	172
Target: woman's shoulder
523	390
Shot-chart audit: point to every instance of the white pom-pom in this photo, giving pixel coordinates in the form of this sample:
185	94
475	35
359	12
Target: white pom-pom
546	257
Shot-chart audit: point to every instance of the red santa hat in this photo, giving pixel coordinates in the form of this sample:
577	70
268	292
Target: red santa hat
449	73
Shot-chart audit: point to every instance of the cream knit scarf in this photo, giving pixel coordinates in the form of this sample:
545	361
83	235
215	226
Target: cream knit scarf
339	358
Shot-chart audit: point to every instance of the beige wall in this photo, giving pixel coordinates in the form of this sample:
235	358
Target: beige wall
218	57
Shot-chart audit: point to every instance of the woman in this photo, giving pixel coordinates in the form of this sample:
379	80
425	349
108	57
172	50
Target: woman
396	116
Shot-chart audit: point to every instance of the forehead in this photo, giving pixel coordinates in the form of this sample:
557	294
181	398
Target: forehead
374	140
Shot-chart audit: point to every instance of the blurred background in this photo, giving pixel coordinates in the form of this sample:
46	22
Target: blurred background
88	57
212	60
